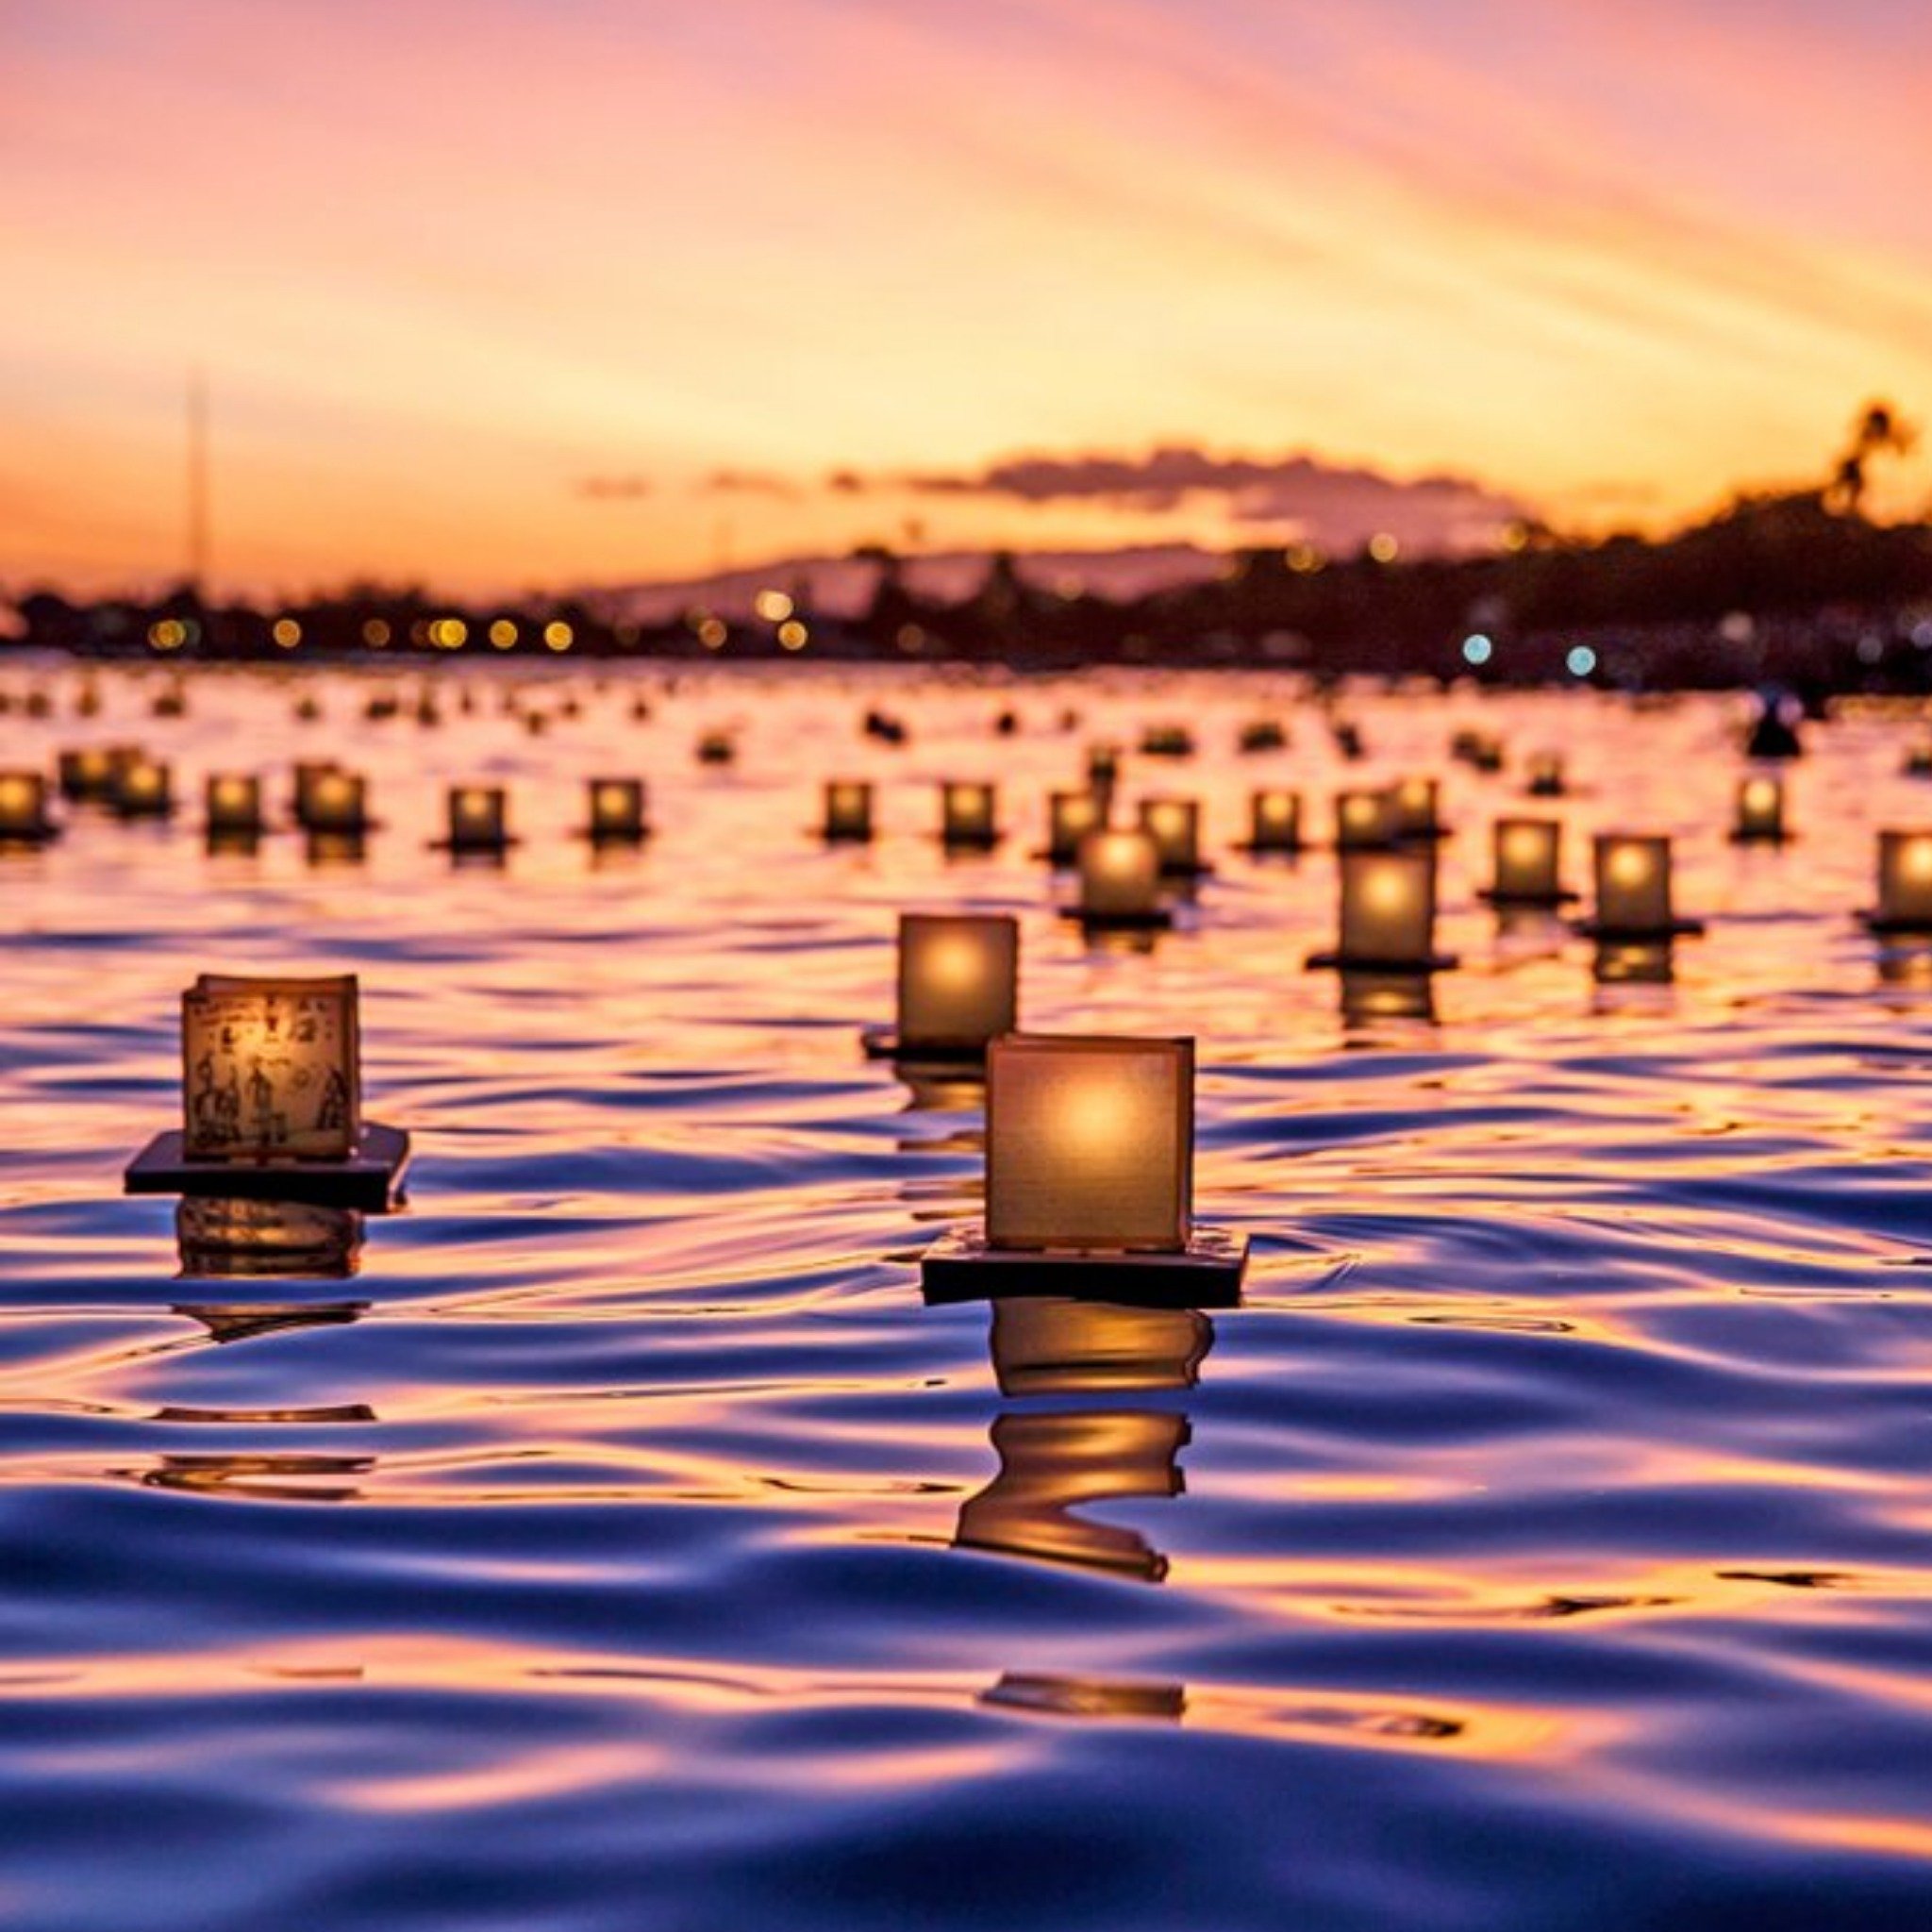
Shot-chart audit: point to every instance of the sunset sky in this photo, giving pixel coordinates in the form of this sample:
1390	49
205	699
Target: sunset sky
498	294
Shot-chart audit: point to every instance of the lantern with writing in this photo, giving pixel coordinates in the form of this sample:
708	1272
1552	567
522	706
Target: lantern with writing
271	1098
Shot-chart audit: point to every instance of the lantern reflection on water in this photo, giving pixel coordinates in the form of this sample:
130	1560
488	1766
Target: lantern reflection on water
225	1237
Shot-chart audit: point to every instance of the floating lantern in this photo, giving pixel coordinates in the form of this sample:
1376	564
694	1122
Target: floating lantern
1103	767
1167	741
1263	733
1275	821
329	799
1904	883
271	1098
232	802
87	776
717	748
1089	1151
1175	826
1633	889
142	789
1120	880
1760	811
1069	816
969	814
1363	820
1528	863
958	986
1388	914
1413	807
848	812
616	809
23	819
478	820
1546	775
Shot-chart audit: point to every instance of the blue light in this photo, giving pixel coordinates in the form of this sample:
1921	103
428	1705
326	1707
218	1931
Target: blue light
1581	661
1477	649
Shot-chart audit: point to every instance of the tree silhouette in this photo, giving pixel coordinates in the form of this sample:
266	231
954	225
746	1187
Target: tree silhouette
1878	429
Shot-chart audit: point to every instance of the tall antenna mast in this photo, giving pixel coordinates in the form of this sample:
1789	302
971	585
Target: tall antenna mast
198	480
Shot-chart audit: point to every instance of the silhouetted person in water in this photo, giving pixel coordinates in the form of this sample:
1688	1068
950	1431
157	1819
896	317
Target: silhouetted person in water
1774	734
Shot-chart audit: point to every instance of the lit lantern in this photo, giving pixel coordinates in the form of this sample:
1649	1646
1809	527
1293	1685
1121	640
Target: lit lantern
478	819
1090	1143
969	814
1388	914
717	748
617	811
1175	826
1274	821
143	789
1167	741
24	809
1633	889
848	812
1760	811
1069	816
1090	1156
1120	879
233	803
958	984
87	776
1363	818
1904	882
271	1098
271	1069
329	799
1528	863
1103	767
1413	808
1546	775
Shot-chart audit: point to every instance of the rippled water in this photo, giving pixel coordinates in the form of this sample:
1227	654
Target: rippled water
1546	1541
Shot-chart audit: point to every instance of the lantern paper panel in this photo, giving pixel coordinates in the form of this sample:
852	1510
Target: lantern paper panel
1175	826
1528	859
968	813
1760	808
233	801
1090	1143
1904	879
848	809
1633	883
477	815
270	1068
617	808
1071	815
1388	908
1363	817
1119	875
1275	821
1412	808
959	978
23	803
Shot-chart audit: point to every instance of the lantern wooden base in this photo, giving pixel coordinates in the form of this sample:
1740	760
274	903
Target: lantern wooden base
1639	935
1207	1273
29	836
1742	838
596	835
884	1043
1159	920
475	848
1249	849
971	841
1351	963
371	1180
1879	924
1199	870
1528	902
826	835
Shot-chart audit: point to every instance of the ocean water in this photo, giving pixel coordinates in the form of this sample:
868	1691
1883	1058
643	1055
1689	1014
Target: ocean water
612	1539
